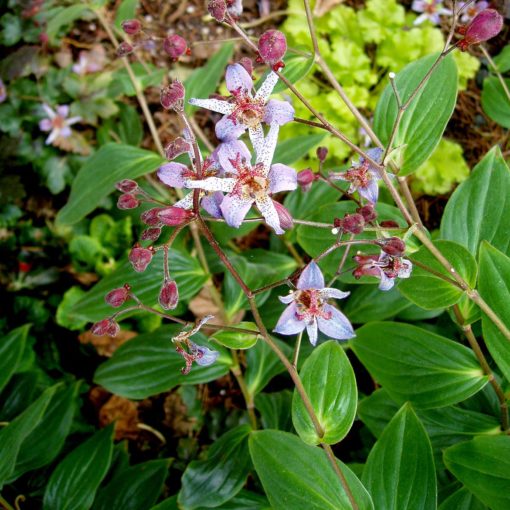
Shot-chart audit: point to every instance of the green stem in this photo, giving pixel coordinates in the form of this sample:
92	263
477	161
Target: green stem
5	504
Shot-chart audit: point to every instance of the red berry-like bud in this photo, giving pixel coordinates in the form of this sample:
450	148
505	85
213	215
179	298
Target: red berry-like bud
131	26
272	46
151	234
124	49
169	295
127	186
247	63
305	178
322	153
217	9
175	46
174	216
151	217
389	224
352	223
485	25
105	327
140	258
117	297
172	97
286	221
368	212
392	246
176	148
127	201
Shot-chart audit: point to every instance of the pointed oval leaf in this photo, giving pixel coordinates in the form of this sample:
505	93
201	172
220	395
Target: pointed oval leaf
235	340
328	379
462	500
12	346
495	102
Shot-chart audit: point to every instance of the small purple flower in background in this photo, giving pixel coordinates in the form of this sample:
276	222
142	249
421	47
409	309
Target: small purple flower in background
247	111
90	61
57	123
473	8
247	185
383	266
431	10
3	92
363	176
308	308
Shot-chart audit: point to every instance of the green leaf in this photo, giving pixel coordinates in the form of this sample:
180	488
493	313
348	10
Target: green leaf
127	10
76	479
430	291
495	102
130	127
246	500
96	179
328	379
483	466
425	120
462	500
299	477
13	435
146	75
400	472
12	347
296	68
158	366
235	340
503	59
64	17
494	288
290	150
275	410
479	209
134	488
211	482
204	80
443	372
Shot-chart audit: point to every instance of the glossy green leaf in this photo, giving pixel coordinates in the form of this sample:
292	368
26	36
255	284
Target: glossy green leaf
425	120
479	209
462	500
12	347
74	482
290	150
494	287
13	435
400	472
443	371
295	475
275	410
430	291
483	466
19	394
495	102
158	366
211	482
328	379
235	340
97	177
246	500
134	488
296	68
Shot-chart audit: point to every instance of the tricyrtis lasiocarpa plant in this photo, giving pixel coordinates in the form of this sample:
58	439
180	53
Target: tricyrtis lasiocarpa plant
242	181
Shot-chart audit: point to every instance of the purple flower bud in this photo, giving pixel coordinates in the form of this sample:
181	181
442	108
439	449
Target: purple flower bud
176	148
174	216
105	327
172	97
124	49
131	26
485	25
169	295
140	258
368	212
127	186
305	178
127	201
322	153
151	234
151	217
389	224
392	246
350	223
117	297
272	46
286	221
217	9
175	46
247	63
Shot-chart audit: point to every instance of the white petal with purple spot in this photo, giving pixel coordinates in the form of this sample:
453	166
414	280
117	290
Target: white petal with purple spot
235	209
311	277
171	174
216	105
266	150
226	129
332	293
212	184
338	326
282	178
311	329
238	79
280	112
288	323
268	210
267	86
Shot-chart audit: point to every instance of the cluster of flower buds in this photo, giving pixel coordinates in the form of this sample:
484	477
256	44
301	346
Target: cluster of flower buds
484	26
349	224
170	216
130	194
106	327
172	97
140	257
117	297
272	47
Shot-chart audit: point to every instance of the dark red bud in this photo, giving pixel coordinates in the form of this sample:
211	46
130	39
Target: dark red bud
247	63
484	26
151	234
174	216
368	212
105	327
127	186
389	224
392	246
175	46
217	9
352	223
117	297
172	97
272	46
124	49
131	26
127	201
140	258
151	217
286	221
322	153
305	178
176	148
169	295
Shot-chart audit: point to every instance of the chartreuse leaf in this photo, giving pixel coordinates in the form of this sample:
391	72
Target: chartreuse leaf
236	340
329	382
74	482
13	435
483	466
400	472
443	372
12	346
158	366
494	287
211	482
295	475
495	102
97	177
462	500
428	290
479	209
424	122
134	488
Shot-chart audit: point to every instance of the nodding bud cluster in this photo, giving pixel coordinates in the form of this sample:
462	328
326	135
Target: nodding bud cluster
484	26
306	178
322	153
175	46
272	47
105	327
140	257
393	246
176	148
172	97
368	212
117	297
169	295
124	49
131	26
217	9
350	223
286	221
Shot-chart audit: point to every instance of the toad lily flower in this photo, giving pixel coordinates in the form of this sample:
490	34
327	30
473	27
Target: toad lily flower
247	185
57	123
383	266
308	308
245	111
431	10
363	176
471	9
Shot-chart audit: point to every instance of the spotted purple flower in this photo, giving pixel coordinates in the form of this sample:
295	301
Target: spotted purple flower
472	9
247	111
431	10
363	176
308	308
385	267
57	123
